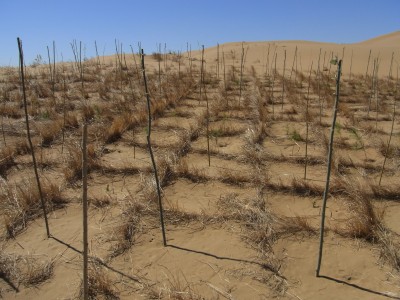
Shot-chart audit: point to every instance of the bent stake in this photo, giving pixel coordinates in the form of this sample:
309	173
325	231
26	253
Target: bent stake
151	152
328	174
21	64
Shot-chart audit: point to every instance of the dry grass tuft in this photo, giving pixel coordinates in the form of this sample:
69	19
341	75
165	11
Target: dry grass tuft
234	177
389	249
71	121
365	219
116	130
88	113
49	132
257	218
22	147
391	192
262	226
305	188
100	285
37	272
193	174
21	203
364	222
391	152
124	235
174	215
27	270
8	270
73	171
119	125
101	202
6	160
297	224
175	288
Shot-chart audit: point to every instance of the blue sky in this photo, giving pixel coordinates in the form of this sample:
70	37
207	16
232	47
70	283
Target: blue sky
177	22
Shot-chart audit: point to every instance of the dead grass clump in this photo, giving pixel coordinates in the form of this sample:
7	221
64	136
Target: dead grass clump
34	272
49	132
263	228
256	135
391	152
11	110
297	224
8	270
165	168
234	177
225	130
22	147
305	188
254	154
73	171
389	249
290	110
71	121
365	220
42	90
88	113
124	235
100	202
148	186
350	187
100	285
21	203
158	108
193	174
119	125
391	192
175	288
6	160
27	270
174	215
183	113
255	215
116	130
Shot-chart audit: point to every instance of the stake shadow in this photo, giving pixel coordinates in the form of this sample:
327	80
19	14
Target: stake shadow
9	282
359	287
262	265
97	260
66	244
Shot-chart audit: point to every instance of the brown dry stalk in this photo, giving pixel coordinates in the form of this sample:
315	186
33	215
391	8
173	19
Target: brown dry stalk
151	152
22	66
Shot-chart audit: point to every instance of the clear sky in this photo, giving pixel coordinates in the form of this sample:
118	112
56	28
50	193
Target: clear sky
178	22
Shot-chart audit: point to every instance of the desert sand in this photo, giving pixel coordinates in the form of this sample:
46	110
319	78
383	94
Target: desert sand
242	217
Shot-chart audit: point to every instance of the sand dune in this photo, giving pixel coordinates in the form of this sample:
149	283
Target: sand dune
355	56
386	40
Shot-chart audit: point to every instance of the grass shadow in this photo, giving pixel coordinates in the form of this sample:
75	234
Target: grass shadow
9	282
